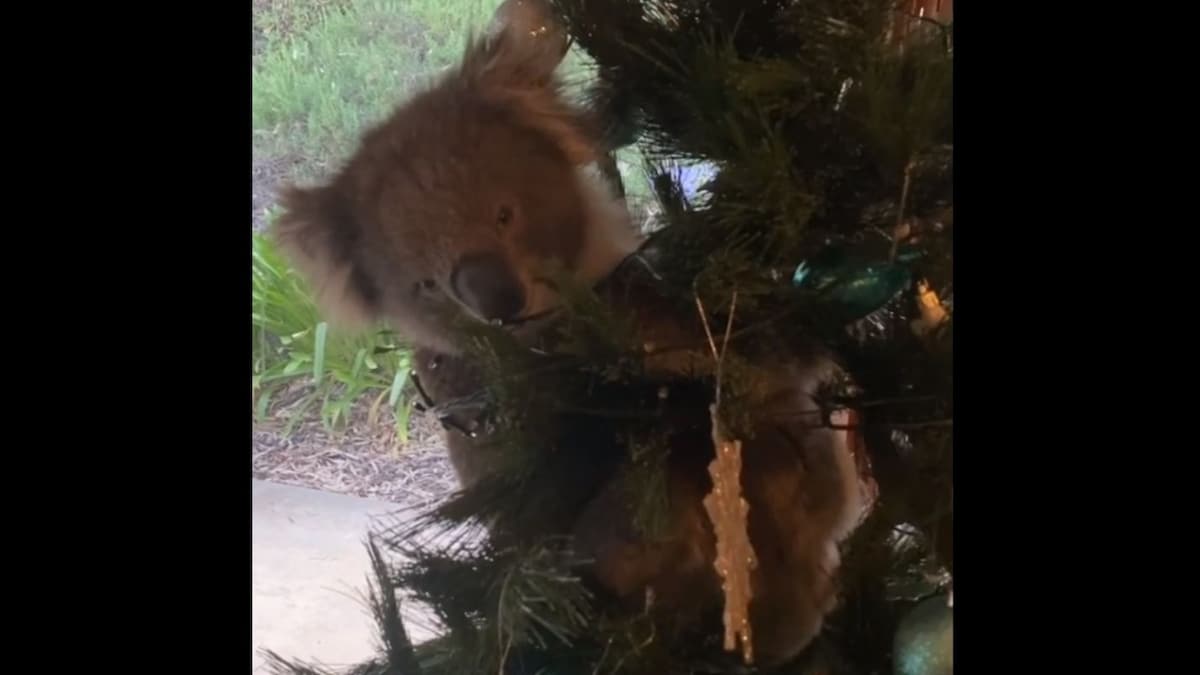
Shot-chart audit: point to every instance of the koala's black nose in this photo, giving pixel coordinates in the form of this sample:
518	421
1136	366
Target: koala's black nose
488	285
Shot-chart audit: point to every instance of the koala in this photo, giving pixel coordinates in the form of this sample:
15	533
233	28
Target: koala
451	209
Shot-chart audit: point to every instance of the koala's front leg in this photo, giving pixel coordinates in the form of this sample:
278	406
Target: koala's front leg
802	496
801	481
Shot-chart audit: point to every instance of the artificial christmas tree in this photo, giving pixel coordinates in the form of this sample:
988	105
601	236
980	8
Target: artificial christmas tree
731	452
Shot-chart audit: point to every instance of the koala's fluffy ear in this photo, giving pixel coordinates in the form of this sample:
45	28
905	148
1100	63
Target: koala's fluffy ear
320	237
514	64
534	32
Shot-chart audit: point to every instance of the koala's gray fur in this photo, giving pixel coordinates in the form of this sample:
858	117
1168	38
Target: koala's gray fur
451	208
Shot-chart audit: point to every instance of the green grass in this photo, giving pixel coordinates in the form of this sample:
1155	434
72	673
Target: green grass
324	70
314	91
293	345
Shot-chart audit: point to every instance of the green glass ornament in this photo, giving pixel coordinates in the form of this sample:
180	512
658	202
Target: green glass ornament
924	643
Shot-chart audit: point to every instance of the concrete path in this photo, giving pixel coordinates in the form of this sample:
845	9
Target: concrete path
310	575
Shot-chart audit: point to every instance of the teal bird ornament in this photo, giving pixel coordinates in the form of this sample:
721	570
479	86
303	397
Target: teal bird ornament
858	287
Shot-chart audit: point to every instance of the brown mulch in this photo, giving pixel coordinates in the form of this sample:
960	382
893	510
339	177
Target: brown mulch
362	460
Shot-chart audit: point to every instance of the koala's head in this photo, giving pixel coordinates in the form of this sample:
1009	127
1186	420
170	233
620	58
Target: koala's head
455	206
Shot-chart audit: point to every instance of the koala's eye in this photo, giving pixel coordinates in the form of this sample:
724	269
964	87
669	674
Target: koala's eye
426	285
504	217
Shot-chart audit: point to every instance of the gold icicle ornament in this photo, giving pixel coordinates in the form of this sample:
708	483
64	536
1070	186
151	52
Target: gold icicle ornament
728	511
